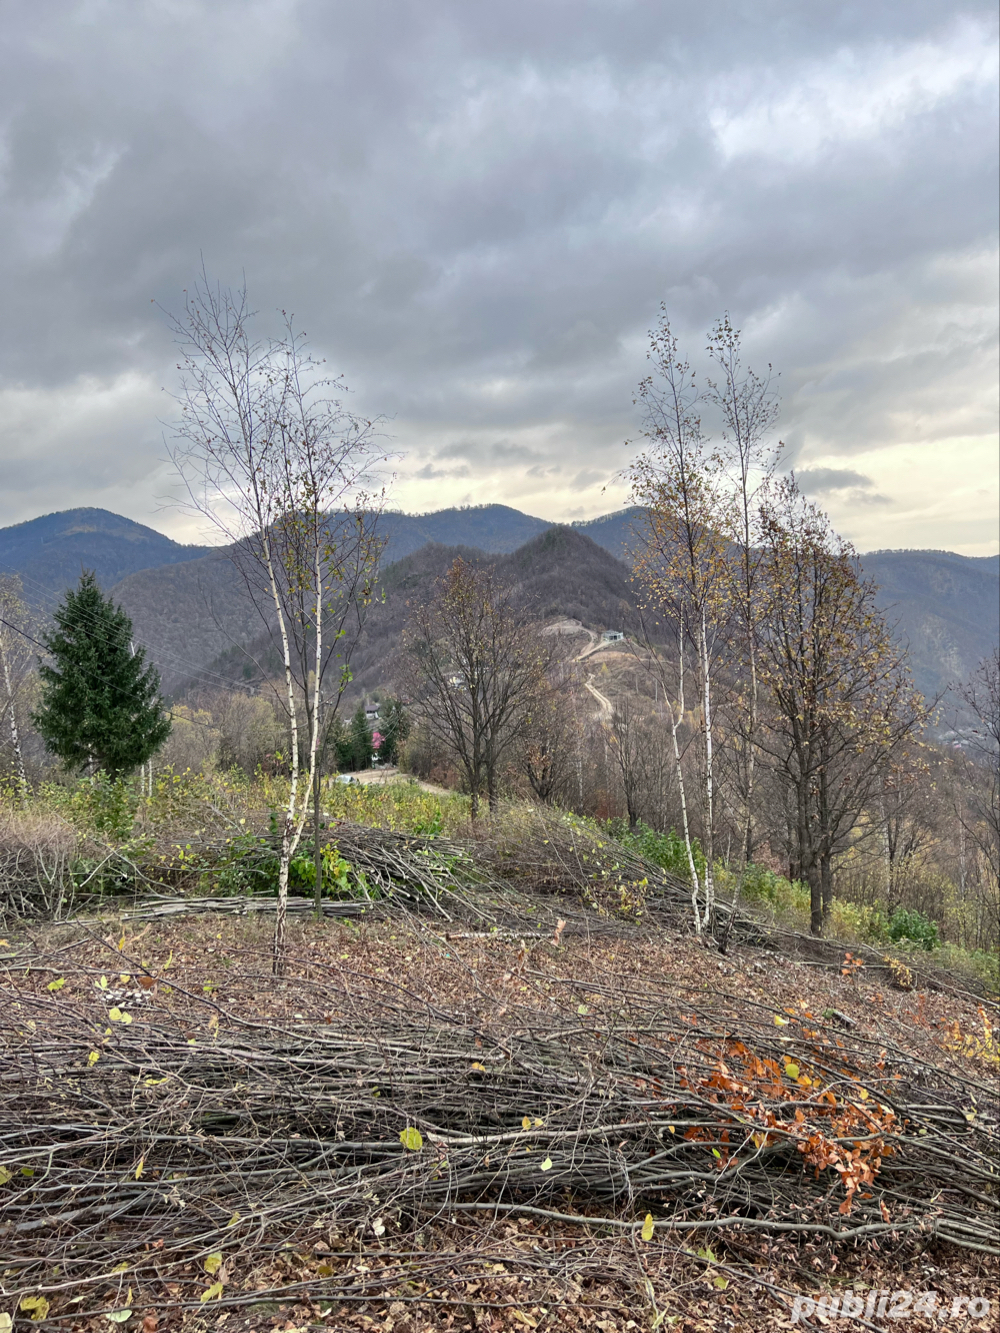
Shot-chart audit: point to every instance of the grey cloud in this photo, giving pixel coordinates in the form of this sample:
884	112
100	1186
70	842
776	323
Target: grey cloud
817	480
475	211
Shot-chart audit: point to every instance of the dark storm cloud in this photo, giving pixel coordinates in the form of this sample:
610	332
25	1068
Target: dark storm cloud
475	211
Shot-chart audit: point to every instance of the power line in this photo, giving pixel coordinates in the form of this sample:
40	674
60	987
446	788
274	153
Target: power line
23	633
208	677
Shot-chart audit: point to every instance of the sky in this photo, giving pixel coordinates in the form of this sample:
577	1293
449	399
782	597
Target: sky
475	210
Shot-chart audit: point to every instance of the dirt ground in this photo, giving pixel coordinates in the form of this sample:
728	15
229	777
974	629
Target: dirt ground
487	1271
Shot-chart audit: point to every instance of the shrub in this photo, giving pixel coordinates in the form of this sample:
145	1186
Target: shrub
666	850
905	924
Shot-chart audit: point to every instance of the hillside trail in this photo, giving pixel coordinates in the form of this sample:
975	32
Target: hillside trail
606	706
594	645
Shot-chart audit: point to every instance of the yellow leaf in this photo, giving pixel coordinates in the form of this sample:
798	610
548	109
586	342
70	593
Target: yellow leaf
38	1305
115	1015
126	1019
57	984
582	1009
213	1292
780	1022
863	1094
124	977
4	1175
213	1262
411	1139
721	1282
547	1164
102	984
233	1220
477	1066
647	1227
118	1316
541	1123
6	1323
93	1058
671	1129
792	1069
526	1122
138	1169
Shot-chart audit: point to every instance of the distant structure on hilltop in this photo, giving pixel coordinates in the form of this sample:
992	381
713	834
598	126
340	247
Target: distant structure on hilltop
612	636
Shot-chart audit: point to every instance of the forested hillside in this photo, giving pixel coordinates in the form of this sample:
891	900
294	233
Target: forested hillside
188	606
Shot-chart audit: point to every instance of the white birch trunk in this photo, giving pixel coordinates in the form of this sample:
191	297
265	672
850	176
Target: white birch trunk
709	775
15	739
674	722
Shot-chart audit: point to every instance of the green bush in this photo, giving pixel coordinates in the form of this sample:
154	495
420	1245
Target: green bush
666	850
905	924
980	963
761	885
849	920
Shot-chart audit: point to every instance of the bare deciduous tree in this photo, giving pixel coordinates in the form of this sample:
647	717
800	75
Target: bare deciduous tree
284	471
841	700
681	562
981	817
474	667
15	659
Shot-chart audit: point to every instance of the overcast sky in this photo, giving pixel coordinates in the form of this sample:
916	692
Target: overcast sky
475	210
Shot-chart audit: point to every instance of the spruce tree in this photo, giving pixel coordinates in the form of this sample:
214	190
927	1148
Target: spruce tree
101	708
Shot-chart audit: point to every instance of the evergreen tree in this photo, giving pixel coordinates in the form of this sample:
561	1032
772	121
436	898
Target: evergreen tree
394	726
101	708
361	739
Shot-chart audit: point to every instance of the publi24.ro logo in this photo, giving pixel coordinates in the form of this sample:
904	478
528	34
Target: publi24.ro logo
890	1305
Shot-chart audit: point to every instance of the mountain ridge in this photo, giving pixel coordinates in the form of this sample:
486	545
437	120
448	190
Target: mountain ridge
187	605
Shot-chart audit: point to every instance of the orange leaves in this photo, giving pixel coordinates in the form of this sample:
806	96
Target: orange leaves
818	1123
851	965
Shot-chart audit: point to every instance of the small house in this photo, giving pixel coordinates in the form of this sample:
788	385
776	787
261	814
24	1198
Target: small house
612	636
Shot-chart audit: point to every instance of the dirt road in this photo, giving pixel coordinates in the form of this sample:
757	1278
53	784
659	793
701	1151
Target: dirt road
606	706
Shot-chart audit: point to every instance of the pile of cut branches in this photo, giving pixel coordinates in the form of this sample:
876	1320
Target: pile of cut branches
148	1127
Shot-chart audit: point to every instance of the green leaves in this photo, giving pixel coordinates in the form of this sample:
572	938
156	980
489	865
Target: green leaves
411	1139
647	1227
213	1292
547	1164
57	984
213	1262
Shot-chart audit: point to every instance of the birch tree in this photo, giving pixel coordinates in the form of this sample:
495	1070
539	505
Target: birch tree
286	474
746	457
15	653
680	564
